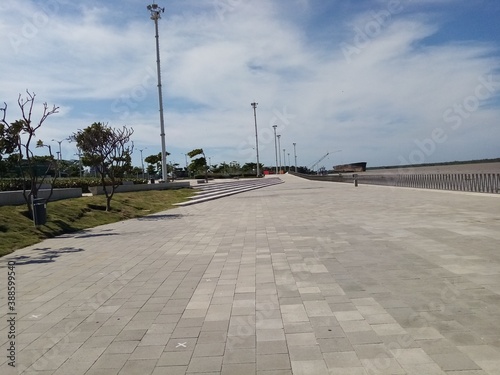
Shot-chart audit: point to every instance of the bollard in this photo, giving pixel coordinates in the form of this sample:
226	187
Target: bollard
355	180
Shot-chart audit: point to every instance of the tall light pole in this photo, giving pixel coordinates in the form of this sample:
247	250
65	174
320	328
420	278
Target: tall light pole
187	168
142	161
289	165
275	147
279	147
156	11
295	156
59	154
79	160
284	161
254	105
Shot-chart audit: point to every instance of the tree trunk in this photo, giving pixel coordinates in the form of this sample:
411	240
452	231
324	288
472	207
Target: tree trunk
108	203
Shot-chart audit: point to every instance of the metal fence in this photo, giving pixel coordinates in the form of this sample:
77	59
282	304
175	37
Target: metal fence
475	182
480	183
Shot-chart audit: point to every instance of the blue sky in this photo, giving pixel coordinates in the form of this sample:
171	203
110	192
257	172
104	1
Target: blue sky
388	82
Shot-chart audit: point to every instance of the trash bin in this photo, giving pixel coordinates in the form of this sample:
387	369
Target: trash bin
39	211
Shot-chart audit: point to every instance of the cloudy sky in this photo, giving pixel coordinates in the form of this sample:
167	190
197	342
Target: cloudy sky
389	82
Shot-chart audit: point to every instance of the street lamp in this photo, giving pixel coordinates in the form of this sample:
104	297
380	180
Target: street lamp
59	153
254	105
79	160
284	161
142	161
275	147
295	156
279	147
156	11
187	169
289	165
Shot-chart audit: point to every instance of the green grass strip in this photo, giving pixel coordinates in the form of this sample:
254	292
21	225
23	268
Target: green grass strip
72	215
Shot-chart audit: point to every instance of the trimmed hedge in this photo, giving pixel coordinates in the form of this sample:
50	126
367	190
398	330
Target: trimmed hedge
12	184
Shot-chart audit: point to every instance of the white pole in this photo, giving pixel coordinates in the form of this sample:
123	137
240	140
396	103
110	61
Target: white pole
155	16
254	105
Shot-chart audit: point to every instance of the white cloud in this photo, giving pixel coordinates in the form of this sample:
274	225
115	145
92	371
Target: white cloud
394	90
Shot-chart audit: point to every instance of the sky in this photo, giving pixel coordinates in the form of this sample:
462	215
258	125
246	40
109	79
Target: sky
389	82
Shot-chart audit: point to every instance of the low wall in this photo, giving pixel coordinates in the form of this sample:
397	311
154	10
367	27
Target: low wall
14	198
98	190
330	178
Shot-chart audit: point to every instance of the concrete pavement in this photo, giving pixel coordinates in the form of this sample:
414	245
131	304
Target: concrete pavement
304	277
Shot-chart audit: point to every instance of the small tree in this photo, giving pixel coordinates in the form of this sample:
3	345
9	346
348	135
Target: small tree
198	164
251	167
154	162
18	138
107	151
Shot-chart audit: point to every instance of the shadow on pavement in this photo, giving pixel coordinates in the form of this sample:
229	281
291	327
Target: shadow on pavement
90	235
159	217
47	255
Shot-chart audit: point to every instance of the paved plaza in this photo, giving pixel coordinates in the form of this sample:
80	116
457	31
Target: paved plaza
302	278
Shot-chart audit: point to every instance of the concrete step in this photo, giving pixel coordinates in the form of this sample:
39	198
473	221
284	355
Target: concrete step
225	189
217	188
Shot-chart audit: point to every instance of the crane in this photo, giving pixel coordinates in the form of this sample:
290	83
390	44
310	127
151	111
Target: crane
319	161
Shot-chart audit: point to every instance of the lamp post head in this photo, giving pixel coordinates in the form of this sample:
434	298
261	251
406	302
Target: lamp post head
155	11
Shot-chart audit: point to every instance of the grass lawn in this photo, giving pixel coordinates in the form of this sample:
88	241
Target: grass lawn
71	215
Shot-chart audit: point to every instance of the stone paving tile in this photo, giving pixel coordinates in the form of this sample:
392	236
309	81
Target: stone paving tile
305	353
342	359
121	347
309	367
111	361
175	358
374	280
273	362
147	352
335	345
383	366
454	362
138	367
275	372
74	367
272	347
300	339
208	350
270	335
102	371
205	364
170	370
240	356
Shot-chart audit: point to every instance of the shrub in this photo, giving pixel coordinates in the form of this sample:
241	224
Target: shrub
13	184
